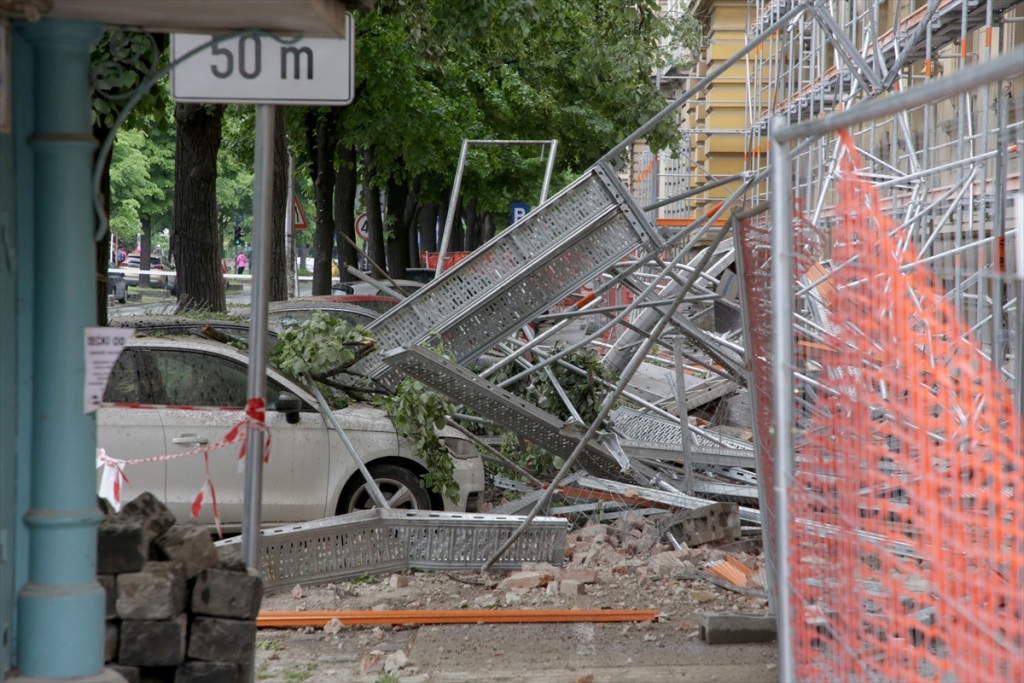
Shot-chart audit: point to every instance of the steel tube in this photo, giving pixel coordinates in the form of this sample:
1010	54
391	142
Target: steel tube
549	169
263	183
782	391
453	201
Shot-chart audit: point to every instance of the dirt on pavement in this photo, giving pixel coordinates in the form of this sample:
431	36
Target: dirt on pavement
608	567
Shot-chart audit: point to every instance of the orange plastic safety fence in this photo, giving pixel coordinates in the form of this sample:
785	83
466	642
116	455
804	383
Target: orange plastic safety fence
906	553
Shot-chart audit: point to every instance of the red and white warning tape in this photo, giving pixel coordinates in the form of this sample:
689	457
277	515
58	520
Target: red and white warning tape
113	478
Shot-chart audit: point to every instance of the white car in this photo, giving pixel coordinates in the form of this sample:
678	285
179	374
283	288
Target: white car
167	396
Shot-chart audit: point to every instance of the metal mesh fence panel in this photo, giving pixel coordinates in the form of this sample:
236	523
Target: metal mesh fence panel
906	524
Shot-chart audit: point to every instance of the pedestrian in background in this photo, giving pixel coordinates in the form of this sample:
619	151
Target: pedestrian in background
241	262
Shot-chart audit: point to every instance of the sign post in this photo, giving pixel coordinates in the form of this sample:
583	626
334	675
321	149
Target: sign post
263	71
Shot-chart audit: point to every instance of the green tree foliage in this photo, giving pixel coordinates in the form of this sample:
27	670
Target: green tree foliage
433	72
121	61
323	346
141	181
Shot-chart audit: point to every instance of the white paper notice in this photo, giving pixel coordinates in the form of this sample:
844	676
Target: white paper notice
102	347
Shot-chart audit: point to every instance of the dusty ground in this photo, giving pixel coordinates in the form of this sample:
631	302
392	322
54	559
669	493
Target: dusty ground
619	571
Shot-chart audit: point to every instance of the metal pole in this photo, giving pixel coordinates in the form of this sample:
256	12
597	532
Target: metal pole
1018	239
453	201
684	416
998	246
292	271
548	170
781	185
262	197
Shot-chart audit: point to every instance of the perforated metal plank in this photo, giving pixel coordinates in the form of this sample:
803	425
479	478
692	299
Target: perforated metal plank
504	408
647	436
379	541
560	246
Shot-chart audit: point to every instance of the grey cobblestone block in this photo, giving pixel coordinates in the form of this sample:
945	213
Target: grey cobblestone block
226	593
110	635
153	643
122	546
734	627
191	545
156	592
109	583
156	518
222	640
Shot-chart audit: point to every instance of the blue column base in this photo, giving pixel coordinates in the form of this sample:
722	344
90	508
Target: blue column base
67	614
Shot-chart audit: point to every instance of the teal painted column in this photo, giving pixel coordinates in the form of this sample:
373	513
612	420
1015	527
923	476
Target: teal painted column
61	607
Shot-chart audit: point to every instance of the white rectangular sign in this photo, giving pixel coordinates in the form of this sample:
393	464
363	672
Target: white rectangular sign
265	70
103	345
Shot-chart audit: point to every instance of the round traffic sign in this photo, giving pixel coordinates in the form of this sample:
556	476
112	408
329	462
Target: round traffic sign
362	227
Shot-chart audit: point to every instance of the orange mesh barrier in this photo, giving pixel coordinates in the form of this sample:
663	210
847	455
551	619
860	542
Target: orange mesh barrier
906	553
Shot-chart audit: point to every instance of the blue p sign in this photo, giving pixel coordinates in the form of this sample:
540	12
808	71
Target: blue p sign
519	211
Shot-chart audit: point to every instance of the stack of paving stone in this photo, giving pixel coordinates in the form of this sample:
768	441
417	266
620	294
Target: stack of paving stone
176	612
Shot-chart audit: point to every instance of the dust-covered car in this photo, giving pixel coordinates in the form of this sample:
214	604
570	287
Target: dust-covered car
170	395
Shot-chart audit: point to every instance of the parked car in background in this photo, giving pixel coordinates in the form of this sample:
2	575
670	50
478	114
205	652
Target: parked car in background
282	314
354	308
169	395
117	287
155	264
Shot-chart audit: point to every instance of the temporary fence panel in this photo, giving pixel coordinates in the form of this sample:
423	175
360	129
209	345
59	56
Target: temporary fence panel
885	401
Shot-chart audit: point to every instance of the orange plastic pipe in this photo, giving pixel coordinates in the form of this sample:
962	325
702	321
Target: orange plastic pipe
460	616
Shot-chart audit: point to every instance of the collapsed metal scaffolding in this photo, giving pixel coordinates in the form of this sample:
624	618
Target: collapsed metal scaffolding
675	310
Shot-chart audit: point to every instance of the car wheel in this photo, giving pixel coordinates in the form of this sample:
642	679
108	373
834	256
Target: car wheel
401	488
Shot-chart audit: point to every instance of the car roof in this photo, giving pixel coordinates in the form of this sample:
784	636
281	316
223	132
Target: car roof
184	327
344	310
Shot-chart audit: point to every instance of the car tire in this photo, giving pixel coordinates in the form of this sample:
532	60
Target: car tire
401	487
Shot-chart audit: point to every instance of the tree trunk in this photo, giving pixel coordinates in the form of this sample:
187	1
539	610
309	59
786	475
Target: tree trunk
102	255
398	226
345	208
322	155
374	222
427	216
278	212
198	240
487	234
471	238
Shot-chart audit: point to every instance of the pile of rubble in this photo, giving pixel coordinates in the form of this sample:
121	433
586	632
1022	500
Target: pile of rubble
176	612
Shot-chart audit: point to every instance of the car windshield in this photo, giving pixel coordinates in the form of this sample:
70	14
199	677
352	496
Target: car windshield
280	319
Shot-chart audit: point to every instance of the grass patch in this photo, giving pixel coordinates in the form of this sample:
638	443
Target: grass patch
364	578
300	676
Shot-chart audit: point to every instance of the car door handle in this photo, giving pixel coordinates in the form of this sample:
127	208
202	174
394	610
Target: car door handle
188	439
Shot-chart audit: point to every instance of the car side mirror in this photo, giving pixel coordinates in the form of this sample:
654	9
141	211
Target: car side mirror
290	405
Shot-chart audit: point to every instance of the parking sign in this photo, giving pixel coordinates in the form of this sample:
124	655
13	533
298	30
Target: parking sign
519	211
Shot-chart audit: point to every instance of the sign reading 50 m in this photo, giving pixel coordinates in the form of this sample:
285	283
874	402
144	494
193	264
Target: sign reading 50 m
264	70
